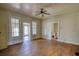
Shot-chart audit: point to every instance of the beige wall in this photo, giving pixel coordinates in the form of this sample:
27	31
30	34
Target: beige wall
5	37
55	27
3	29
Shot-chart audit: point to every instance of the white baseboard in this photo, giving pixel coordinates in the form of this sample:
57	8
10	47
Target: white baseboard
74	43
15	42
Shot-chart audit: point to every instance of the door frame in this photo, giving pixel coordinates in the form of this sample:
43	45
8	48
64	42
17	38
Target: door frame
53	29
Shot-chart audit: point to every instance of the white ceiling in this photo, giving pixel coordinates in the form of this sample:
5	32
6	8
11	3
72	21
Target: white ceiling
31	9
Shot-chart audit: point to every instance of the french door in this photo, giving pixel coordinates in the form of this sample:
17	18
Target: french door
26	31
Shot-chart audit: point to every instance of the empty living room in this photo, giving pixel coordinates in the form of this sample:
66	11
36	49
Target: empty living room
39	29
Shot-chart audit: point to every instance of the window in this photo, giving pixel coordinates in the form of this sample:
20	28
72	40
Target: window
34	28
15	27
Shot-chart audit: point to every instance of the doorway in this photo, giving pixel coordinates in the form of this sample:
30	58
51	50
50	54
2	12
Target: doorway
26	31
51	30
55	30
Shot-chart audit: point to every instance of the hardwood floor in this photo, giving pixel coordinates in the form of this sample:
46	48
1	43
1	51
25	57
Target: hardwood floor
40	48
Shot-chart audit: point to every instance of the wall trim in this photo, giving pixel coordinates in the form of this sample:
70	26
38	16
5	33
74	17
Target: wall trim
73	43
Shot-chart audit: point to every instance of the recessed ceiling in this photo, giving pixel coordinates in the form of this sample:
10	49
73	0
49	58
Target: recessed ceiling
32	9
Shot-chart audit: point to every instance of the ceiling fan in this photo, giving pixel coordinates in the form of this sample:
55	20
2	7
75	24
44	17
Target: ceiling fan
42	12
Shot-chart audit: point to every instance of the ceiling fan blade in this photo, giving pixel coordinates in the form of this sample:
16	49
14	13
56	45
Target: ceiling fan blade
38	14
47	13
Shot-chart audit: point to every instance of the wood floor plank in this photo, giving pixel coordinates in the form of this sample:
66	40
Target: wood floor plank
40	48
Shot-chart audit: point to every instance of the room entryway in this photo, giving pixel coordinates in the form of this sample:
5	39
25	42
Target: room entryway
26	31
51	30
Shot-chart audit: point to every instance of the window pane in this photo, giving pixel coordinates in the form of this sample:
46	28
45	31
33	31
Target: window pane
16	32
15	27
26	31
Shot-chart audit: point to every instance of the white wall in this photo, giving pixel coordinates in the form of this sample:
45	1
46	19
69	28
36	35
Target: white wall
68	27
